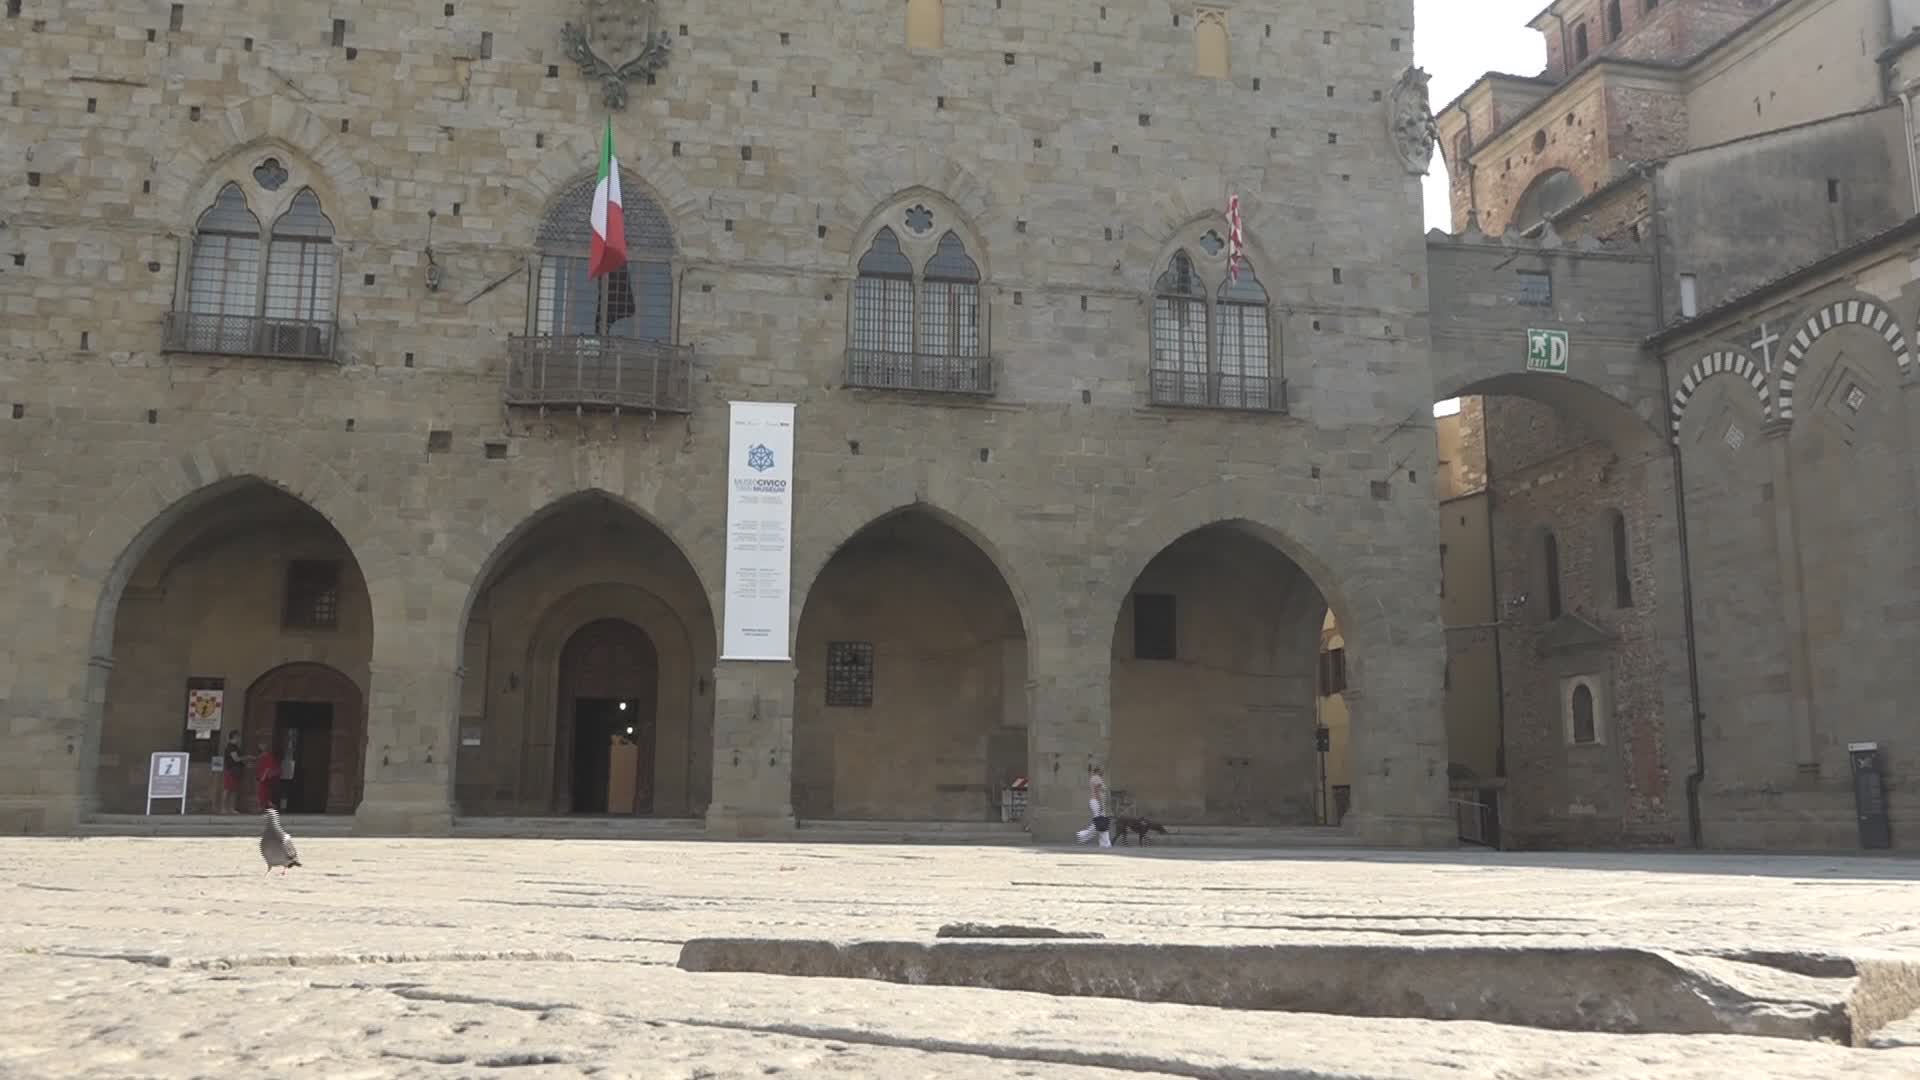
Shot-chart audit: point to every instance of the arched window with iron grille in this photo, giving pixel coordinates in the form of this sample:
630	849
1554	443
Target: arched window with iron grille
917	321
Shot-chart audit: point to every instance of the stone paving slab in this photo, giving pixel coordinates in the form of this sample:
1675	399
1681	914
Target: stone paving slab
161	957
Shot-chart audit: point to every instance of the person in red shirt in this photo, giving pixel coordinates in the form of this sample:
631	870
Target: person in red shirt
266	773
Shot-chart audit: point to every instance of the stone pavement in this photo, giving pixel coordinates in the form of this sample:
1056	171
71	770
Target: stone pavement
180	957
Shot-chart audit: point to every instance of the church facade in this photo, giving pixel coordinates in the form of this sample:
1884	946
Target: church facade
316	423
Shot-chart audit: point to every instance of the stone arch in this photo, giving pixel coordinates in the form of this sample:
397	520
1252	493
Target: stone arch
1608	410
642	164
141	512
474	568
306	681
647	216
911	662
1212	266
810	561
267	125
1552	191
1721	362
1856	311
947	216
896	178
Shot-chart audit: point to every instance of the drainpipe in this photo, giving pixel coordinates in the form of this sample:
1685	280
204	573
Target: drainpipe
1699	774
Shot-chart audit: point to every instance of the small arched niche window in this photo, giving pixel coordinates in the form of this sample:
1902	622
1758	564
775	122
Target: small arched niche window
1221	357
1212	57
917	319
231	307
926	24
1580	43
1584	729
634	302
1622	559
1613	20
1550	573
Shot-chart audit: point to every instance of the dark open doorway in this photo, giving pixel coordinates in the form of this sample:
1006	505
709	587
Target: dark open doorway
303	741
612	753
609	695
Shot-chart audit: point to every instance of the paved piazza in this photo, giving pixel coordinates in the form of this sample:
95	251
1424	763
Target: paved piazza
124	957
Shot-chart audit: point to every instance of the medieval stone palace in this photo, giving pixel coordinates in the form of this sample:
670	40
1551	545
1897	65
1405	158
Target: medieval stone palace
1078	361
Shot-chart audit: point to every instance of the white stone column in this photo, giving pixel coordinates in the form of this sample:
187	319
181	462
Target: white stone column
752	749
411	713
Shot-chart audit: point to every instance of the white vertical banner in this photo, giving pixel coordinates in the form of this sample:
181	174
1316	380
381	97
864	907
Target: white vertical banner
759	531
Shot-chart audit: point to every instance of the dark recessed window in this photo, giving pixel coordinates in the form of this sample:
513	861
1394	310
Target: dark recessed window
1333	672
1154	627
850	674
1536	288
313	595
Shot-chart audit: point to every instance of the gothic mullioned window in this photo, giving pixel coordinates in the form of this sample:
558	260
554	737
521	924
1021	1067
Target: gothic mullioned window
917	320
231	307
606	342
1212	346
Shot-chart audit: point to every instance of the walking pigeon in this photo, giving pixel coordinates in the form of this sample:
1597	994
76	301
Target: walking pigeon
276	846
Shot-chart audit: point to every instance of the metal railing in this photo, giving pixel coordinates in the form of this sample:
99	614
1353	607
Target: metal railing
1200	390
248	335
1478	818
873	369
594	372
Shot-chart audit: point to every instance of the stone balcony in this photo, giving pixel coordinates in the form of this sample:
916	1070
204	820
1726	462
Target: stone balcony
599	373
248	335
873	369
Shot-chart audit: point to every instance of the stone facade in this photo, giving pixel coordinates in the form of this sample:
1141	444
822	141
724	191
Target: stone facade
1072	152
1628	572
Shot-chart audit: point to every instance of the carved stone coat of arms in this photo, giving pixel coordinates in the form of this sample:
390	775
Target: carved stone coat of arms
618	41
1410	121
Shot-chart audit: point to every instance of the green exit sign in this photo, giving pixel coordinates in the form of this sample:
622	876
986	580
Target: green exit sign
1548	351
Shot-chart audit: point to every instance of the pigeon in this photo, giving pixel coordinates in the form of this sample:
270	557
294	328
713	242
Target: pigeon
276	846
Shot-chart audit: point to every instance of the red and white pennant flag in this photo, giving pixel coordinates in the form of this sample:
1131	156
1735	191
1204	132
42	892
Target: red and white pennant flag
1234	238
609	251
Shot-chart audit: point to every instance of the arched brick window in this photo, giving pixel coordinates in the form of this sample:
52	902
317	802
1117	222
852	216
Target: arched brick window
1212	56
918	323
1580	43
1613	20
232	307
1584	729
1212	347
634	302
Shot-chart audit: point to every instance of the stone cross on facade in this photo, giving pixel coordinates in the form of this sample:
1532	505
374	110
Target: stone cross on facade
1763	343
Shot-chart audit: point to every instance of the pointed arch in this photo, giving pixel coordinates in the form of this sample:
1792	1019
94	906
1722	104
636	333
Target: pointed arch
1841	313
633	302
1721	362
223	271
303	269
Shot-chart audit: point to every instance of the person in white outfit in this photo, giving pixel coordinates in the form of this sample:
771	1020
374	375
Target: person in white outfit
1102	825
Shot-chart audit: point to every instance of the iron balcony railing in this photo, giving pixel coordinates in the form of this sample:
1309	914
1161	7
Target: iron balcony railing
596	372
248	335
874	369
1204	390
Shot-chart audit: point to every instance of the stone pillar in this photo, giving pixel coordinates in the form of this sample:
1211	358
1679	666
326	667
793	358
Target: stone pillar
1397	764
752	750
1069	727
1793	605
52	760
411	713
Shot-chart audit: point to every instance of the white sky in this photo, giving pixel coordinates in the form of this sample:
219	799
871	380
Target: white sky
1457	41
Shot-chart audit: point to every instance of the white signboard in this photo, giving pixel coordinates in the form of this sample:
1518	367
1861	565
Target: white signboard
167	778
759	531
204	708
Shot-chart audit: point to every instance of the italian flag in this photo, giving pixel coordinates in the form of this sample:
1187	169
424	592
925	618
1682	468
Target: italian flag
609	221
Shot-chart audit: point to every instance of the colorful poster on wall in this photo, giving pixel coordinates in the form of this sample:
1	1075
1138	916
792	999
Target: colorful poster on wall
204	711
759	531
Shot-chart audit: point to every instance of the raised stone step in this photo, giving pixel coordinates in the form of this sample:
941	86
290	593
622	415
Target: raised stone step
580	828
183	825
1617	990
913	832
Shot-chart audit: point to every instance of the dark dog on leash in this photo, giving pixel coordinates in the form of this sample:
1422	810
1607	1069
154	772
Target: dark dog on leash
1138	826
